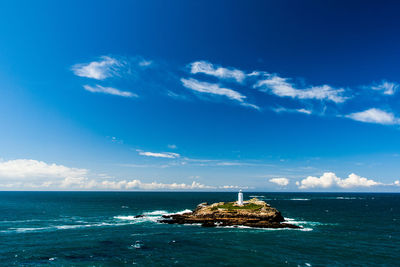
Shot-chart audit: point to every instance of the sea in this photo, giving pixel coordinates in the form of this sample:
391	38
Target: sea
100	229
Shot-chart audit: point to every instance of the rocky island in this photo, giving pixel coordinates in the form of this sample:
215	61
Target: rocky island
252	213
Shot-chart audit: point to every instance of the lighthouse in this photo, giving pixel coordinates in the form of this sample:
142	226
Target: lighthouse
240	198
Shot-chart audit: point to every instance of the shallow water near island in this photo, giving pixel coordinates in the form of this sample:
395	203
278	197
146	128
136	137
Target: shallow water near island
100	229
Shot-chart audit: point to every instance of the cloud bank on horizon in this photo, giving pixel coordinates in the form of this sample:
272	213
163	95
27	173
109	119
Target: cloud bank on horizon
28	174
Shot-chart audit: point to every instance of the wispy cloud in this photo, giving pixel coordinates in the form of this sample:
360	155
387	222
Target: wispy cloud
108	90
299	110
104	68
219	72
280	181
388	88
374	115
168	155
215	89
145	63
329	179
235	84
211	88
283	88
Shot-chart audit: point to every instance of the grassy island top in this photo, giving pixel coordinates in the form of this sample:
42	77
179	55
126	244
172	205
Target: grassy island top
233	206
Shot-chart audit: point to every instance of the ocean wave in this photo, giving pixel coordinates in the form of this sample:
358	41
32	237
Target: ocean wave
134	219
179	212
305	223
21	221
155	213
150	216
129	217
266	229
59	227
298	199
257	196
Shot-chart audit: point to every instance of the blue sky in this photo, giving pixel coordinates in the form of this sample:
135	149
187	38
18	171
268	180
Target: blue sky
210	95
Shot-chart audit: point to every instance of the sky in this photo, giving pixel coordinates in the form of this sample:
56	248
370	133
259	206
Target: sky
296	96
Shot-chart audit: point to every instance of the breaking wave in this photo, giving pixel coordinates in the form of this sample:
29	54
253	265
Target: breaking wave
265	229
150	216
58	227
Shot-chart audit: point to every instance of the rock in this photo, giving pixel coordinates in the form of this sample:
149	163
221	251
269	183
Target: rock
254	213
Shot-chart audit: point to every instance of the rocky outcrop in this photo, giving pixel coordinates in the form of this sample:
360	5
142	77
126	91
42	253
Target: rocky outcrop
254	213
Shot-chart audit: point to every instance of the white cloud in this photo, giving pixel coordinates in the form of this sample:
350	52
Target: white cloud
29	168
137	184
220	72
215	89
299	110
281	87
305	111
388	88
211	88
108	90
168	155
356	181
397	183
38	175
172	146
374	115
145	63
233	187
329	179
280	181
104	68
229	164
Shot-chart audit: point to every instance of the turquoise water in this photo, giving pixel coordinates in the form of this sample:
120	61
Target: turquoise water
99	229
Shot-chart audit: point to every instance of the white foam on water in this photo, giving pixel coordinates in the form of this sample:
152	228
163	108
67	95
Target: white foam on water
59	227
150	216
300	199
296	222
306	223
179	212
155	213
134	219
256	196
193	224
129	217
62	227
266	229
23	230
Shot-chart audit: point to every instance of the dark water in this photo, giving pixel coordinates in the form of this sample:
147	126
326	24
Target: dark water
98	229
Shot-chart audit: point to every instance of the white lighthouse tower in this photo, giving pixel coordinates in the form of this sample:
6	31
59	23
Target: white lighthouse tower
240	198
